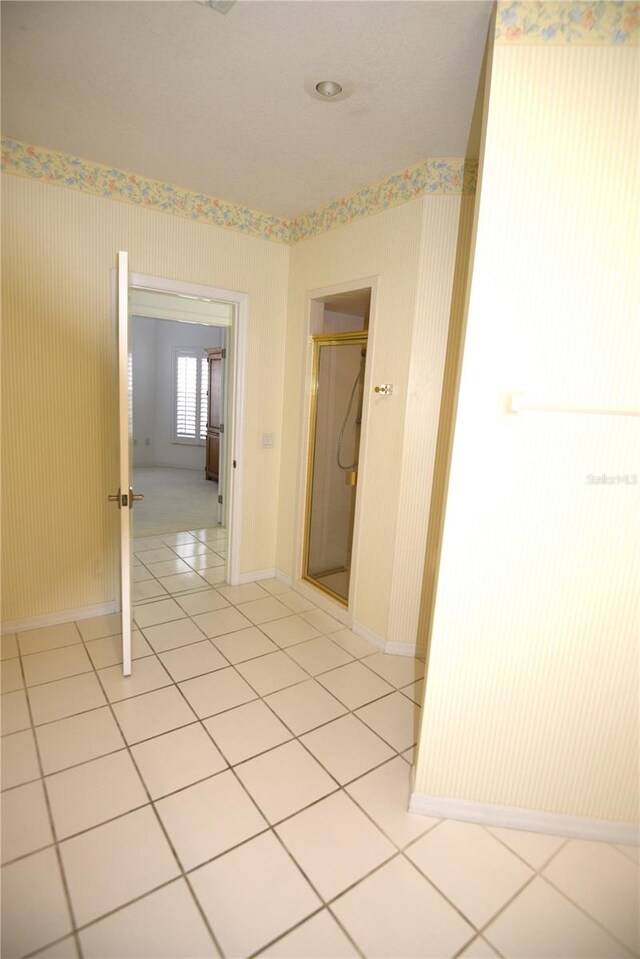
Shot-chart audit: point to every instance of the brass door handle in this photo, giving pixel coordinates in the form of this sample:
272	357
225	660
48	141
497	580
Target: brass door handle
134	497
114	498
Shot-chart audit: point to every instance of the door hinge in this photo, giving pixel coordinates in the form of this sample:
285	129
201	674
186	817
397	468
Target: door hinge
222	427
220	498
224	354
234	464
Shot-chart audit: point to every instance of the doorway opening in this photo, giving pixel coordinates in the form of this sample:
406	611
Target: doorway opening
339	327
178	422
186	384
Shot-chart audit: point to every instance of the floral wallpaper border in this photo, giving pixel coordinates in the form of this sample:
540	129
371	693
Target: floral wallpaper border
430	176
583	22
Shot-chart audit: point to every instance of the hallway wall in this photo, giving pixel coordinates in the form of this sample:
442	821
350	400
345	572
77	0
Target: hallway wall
60	453
412	251
531	699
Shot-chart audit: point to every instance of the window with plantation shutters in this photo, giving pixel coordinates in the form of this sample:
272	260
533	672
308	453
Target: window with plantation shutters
191	382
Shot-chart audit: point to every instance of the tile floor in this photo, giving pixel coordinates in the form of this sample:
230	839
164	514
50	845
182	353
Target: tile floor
244	793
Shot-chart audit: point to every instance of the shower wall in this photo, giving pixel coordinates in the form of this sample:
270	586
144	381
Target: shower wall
333	501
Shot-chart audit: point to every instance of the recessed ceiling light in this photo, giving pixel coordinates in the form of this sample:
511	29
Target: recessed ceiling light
328	88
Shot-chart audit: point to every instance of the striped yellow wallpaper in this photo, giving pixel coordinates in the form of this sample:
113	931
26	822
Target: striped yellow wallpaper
60	456
532	692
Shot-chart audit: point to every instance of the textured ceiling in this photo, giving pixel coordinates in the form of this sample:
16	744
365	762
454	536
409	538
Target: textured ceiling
217	104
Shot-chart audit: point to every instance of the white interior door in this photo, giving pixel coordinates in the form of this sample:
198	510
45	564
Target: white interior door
124	496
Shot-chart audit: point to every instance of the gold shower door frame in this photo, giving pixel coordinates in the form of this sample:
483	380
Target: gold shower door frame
356	337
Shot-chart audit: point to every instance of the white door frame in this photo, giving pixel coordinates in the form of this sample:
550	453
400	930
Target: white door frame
236	370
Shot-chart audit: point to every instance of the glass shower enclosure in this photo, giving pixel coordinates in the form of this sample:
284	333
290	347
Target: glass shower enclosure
337	390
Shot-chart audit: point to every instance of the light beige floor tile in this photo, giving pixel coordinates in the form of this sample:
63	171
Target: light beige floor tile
633	852
25	821
193	660
603	882
216	692
318	938
177	759
140	574
9	646
147	674
87	795
210	533
77	739
108	650
65	697
63	949
166	924
152	714
274	586
178	539
479	949
264	610
183	582
34	906
384	796
19	759
541	922
319	655
258	880
322	621
48	637
114	863
208	562
214	576
147	589
272	672
355	685
394	718
208	818
295	602
147	542
160	554
409	755
194	548
305	706
355	645
243	594
246	731
202	602
397	670
101	628
415	692
289	631
347	748
55	664
15	712
534	847
244	644
167	636
476	872
164	611
169	567
335	844
220	621
421	924
284	780
10	675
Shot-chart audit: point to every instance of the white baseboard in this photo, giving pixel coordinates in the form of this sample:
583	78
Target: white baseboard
282	577
64	616
530	820
369	634
256	574
400	649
